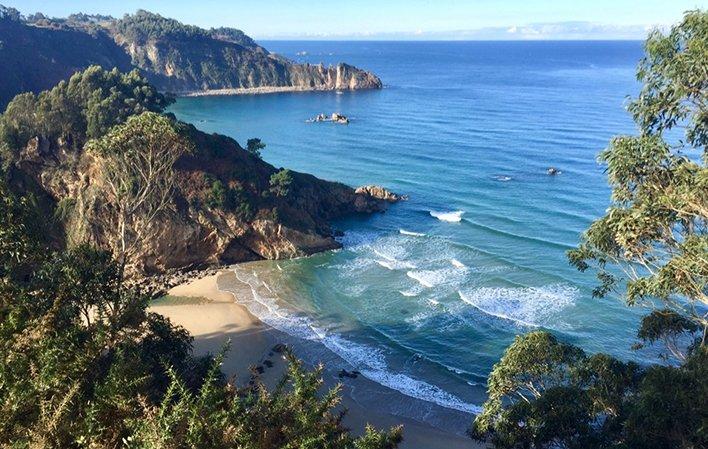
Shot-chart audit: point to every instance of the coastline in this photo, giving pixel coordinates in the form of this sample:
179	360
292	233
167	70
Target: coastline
214	316
264	90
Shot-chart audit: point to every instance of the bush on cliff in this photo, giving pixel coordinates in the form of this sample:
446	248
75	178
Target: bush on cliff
84	107
84	364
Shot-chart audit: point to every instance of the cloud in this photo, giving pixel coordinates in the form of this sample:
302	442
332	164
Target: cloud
535	31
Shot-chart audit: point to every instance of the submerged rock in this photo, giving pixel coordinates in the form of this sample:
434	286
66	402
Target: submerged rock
349	374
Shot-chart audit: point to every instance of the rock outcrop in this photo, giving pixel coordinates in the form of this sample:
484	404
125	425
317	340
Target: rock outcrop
193	234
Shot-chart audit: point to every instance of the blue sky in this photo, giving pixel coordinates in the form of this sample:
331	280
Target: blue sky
401	19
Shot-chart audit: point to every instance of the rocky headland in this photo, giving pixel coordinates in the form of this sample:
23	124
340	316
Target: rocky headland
224	204
177	58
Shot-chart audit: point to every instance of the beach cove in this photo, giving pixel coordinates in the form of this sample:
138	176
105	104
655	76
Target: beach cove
216	316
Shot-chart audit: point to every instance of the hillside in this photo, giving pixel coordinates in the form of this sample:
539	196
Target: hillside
220	204
174	57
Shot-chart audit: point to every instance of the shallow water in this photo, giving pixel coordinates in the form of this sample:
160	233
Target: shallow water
424	299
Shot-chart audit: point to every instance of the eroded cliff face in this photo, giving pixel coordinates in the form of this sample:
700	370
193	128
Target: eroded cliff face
211	64
175	57
192	234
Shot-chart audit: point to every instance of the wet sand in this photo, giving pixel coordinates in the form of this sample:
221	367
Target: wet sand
214	317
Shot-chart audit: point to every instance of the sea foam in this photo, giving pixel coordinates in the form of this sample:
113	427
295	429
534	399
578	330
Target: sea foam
526	306
457	264
452	217
368	360
411	233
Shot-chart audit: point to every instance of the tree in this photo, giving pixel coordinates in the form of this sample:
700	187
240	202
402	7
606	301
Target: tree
9	13
84	107
544	394
137	168
655	230
281	182
516	408
83	363
293	415
254	146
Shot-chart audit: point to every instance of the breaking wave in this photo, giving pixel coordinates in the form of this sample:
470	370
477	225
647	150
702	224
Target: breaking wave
452	217
411	233
369	361
525	306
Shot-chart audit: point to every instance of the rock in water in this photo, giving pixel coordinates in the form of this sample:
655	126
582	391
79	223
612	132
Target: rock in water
339	118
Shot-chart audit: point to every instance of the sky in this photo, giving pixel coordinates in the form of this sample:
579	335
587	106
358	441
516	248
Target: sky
400	19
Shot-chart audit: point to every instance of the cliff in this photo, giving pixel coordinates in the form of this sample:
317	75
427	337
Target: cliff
175	57
227	204
195	233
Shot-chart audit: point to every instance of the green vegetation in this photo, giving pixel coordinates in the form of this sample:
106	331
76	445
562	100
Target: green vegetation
84	364
548	394
281	182
222	197
254	146
84	107
136	162
144	25
655	230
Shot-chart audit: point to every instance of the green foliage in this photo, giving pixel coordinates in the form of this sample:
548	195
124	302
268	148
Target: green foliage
292	416
222	197
144	25
19	234
137	161
655	233
670	407
254	146
532	365
84	107
547	394
281	182
655	229
235	36
670	328
84	364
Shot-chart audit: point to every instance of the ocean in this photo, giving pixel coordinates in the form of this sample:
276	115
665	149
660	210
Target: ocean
423	300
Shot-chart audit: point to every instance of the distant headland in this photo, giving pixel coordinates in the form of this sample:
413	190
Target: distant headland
174	57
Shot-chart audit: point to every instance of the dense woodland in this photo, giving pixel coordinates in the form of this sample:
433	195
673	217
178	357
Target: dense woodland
83	364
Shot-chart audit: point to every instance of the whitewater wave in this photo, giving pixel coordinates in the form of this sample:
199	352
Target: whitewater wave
502	178
408	293
411	233
395	264
452	217
526	306
457	264
434	278
422	278
369	361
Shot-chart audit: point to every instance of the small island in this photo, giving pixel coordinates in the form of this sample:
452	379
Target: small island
336	117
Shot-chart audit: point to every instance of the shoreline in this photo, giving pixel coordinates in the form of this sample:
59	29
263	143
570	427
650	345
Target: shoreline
214	316
263	90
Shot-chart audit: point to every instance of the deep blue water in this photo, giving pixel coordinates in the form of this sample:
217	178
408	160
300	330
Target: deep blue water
424	299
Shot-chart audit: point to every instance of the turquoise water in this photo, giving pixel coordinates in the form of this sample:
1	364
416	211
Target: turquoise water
424	298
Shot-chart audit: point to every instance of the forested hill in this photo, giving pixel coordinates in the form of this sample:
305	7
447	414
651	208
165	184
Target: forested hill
37	52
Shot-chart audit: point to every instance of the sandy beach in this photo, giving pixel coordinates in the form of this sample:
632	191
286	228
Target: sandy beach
214	317
253	91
